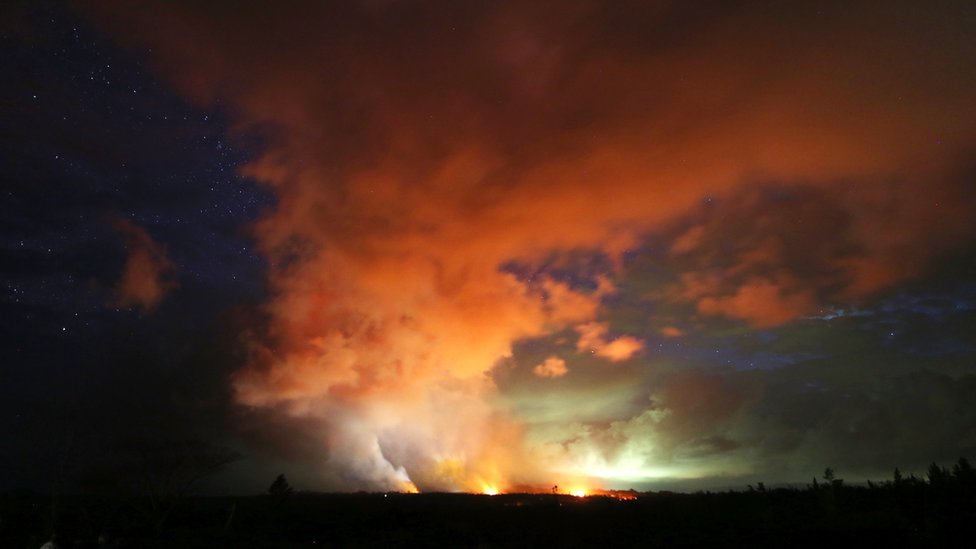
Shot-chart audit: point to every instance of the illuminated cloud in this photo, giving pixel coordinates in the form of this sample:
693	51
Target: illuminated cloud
147	274
671	331
417	149
551	367
593	340
760	302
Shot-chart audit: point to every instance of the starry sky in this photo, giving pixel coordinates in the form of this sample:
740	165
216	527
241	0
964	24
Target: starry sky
392	245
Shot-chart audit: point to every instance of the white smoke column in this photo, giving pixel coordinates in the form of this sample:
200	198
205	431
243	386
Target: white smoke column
391	352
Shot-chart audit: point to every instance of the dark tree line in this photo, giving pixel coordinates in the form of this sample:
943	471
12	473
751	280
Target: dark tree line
936	509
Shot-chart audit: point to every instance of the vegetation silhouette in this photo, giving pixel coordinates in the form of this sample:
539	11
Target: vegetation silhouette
938	510
280	489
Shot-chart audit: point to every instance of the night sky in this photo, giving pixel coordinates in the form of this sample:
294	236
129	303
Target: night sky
394	245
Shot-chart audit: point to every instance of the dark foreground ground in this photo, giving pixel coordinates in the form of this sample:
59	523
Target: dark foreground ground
914	513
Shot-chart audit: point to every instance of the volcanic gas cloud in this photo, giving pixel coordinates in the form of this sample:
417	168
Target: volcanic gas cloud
420	150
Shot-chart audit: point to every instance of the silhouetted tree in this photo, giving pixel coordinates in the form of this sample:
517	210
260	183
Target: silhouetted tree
963	471
280	489
157	473
172	471
938	475
831	479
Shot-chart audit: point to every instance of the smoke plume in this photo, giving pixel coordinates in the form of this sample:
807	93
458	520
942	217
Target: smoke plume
418	150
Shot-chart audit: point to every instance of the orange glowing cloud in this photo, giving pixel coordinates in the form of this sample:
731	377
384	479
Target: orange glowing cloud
760	302
593	340
146	276
671	331
551	367
417	149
